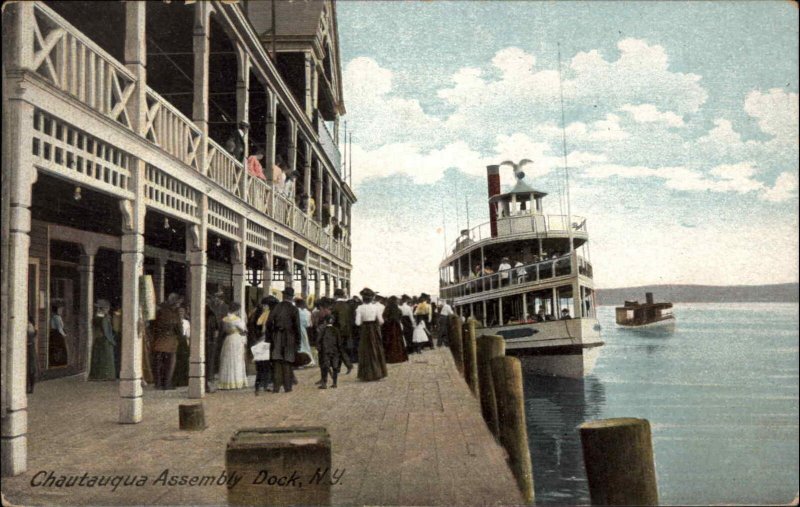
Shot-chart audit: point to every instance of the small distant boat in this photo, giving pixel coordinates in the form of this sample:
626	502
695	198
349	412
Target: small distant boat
645	316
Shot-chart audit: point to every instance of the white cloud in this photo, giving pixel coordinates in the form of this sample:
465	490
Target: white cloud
785	188
648	113
776	112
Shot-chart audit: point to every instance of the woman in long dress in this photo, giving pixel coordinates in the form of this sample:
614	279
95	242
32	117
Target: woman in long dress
57	344
305	325
103	344
232	368
371	359
181	376
393	333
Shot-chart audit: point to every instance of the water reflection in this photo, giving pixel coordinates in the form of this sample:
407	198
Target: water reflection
554	408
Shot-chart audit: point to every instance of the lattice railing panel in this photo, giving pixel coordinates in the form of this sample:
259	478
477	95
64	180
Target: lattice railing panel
223	219
173	132
257	235
79	67
62	148
171	195
223	168
281	246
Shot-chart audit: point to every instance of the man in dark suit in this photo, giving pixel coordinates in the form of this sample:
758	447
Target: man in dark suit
283	326
344	317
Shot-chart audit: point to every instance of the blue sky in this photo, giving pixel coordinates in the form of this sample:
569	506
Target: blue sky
682	134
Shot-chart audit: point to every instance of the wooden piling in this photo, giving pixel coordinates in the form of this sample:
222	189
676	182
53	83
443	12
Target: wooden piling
507	382
618	454
470	356
456	343
489	347
191	417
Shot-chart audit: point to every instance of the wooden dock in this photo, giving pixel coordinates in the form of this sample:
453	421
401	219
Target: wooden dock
414	438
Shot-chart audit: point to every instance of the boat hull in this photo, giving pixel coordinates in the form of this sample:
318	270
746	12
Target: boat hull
663	326
562	348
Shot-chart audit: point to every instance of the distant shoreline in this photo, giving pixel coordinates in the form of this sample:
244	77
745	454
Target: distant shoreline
686	293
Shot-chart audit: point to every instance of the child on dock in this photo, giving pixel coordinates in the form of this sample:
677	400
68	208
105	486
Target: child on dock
331	352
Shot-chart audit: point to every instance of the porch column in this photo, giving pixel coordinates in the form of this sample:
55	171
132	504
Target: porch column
239	268
242	110
555	303
198	233
307	171
133	213
318	193
266	283
290	268
18	175
197	243
309	71
200	48
130	382
86	273
158	278
271	117
292	162
317	279
304	280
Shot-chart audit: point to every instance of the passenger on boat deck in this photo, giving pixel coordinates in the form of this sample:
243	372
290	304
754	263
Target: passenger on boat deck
235	143
521	274
541	316
504	269
565	314
254	164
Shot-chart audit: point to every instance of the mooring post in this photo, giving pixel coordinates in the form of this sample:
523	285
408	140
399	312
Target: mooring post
456	343
507	381
470	359
618	454
489	347
191	417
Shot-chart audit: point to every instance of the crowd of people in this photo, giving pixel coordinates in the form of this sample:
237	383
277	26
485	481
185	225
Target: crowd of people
366	332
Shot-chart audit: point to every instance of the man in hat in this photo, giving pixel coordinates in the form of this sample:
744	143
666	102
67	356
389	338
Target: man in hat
235	143
343	318
444	323
216	310
283	327
167	328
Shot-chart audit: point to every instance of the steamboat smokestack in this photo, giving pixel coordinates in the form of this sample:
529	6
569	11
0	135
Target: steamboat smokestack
649	297
493	181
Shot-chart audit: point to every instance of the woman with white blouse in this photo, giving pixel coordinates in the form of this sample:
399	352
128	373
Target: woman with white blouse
371	357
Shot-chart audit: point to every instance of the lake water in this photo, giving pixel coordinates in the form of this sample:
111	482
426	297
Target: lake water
721	395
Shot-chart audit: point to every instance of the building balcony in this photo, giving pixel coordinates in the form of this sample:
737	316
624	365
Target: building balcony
86	82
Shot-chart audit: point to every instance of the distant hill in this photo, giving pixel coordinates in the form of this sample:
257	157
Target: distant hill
777	293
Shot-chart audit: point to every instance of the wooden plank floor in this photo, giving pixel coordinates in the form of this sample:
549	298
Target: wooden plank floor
414	438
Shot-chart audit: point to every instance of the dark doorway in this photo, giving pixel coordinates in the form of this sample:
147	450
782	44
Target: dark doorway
175	278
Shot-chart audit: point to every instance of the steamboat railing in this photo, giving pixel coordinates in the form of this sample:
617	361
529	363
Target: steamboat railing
524	224
532	273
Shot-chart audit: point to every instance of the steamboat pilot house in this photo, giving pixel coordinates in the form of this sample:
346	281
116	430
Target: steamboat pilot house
525	275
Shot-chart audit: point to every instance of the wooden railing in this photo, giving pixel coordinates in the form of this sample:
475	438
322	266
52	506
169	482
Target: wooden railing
259	195
222	168
173	132
79	67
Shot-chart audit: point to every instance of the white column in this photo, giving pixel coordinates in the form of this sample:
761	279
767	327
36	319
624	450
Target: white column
239	265
86	273
18	175
309	71
556	310
577	300
158	278
197	241
266	283
307	171
318	193
269	152
292	162
242	108
524	306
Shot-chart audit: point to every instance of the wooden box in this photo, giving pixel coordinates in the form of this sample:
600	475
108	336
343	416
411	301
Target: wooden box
279	466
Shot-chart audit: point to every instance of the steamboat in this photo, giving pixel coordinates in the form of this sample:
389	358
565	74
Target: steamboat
526	276
646	316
